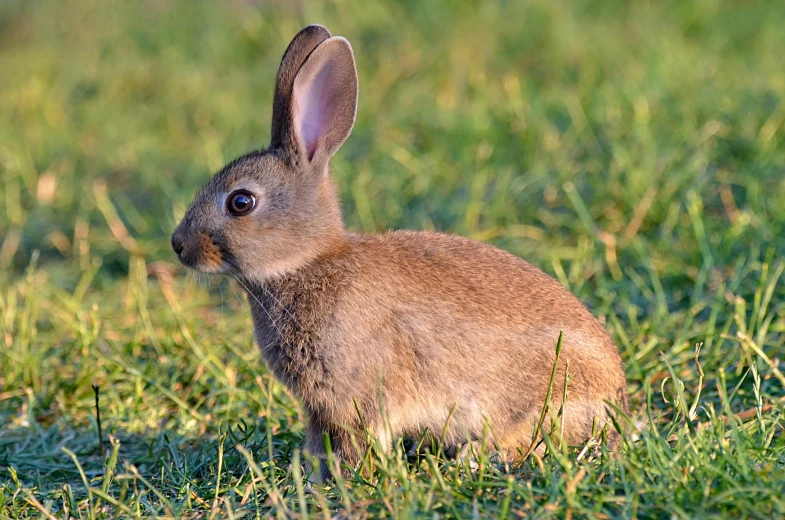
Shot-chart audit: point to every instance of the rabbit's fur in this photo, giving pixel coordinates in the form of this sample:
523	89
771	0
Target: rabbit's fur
434	324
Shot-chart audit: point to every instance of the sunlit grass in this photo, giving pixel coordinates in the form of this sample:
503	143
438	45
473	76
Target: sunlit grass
632	150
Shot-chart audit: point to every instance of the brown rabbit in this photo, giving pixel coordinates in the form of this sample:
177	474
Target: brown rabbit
434	324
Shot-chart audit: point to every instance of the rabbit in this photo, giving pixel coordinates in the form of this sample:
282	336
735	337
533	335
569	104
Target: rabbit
440	331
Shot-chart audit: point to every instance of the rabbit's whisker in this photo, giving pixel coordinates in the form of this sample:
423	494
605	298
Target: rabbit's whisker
270	316
271	295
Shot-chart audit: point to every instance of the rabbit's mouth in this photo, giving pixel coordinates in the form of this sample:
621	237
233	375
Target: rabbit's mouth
201	253
209	257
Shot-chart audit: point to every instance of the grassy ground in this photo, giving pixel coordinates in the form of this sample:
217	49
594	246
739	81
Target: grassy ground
634	150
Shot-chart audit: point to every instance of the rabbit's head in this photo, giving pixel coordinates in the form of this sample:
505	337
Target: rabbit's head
271	211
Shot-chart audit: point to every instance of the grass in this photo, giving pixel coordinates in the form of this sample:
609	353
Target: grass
634	150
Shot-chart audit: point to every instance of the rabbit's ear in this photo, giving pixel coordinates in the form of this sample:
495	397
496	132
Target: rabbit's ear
282	134
324	100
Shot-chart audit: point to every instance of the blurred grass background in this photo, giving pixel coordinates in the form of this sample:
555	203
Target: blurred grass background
634	150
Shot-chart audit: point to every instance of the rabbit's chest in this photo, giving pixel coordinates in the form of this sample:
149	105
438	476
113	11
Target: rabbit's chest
289	326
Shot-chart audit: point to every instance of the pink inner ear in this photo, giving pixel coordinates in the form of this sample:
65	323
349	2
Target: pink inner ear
313	98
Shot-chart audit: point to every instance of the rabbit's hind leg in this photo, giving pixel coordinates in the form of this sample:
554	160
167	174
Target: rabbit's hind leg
581	421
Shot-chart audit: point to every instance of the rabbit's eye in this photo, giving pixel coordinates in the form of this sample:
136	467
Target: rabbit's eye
240	202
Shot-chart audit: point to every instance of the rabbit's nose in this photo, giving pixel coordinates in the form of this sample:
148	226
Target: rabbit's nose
177	244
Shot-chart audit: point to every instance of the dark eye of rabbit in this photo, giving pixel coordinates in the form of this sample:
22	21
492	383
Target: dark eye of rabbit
240	202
